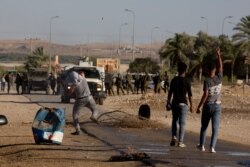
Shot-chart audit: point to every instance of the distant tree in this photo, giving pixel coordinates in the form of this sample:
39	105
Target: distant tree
1	70
144	65
229	56
242	41
36	60
204	51
177	49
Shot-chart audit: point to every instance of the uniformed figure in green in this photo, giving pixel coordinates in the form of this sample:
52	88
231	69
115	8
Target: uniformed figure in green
129	83
157	83
118	83
146	81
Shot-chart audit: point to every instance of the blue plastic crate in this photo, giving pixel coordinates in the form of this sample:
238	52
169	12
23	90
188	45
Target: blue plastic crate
48	125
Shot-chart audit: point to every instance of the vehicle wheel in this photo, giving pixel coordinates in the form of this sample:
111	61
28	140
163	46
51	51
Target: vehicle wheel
100	101
37	142
28	91
47	91
65	99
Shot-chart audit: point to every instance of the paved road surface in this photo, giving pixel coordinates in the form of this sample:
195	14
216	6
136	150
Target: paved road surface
155	142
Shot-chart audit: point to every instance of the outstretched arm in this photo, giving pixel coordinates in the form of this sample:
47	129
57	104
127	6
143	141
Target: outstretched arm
220	67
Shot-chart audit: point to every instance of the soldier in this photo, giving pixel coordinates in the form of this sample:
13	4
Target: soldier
24	83
129	82
146	81
166	82
137	82
157	83
142	83
58	84
3	82
118	83
8	80
52	80
18	82
108	81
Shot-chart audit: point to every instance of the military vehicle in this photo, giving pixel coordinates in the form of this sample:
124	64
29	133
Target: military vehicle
38	80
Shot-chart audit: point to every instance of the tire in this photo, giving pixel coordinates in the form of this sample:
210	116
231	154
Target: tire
144	112
37	142
65	99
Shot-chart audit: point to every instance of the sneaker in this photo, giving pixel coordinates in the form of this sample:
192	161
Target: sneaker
212	150
76	133
201	147
173	142
182	145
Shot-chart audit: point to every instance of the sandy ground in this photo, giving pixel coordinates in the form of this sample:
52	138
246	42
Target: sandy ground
235	124
17	146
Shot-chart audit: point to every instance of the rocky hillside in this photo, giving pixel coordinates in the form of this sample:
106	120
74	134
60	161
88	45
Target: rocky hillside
93	49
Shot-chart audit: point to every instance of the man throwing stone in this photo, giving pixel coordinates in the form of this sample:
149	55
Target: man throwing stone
83	98
210	103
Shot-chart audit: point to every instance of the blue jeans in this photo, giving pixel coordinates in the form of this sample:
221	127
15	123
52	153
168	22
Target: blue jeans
213	112
179	116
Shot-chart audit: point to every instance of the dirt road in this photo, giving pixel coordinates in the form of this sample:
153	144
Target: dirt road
17	146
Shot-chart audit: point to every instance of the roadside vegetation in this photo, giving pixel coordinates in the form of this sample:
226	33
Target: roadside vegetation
196	51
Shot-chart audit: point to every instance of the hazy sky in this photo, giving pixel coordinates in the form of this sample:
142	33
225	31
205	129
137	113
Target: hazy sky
81	21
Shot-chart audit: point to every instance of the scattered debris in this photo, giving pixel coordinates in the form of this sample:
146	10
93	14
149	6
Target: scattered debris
129	157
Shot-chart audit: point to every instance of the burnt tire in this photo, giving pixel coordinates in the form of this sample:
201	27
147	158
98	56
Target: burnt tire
144	112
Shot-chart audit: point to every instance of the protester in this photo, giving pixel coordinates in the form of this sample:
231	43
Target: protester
180	86
211	102
83	98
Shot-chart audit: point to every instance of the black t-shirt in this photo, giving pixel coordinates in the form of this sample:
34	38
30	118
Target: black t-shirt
180	87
